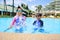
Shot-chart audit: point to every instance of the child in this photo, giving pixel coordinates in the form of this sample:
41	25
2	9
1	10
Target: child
38	23
18	21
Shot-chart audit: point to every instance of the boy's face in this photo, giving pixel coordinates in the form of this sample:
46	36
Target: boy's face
38	17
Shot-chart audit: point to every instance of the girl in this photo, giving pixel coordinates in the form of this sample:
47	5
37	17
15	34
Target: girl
18	21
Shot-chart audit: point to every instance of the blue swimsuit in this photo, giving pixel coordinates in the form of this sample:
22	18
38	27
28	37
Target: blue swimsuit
18	22
37	24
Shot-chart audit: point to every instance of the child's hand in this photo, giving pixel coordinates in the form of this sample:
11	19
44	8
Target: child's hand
8	28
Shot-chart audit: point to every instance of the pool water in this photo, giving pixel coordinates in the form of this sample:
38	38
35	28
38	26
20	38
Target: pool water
51	25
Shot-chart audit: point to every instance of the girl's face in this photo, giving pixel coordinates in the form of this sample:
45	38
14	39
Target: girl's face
19	13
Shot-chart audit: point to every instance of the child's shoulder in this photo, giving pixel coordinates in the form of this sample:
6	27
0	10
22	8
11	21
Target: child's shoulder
40	20
15	17
24	17
34	22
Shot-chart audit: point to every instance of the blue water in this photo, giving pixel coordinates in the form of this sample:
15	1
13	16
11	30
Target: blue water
51	25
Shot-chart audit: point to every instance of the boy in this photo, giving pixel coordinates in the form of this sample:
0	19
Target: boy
38	23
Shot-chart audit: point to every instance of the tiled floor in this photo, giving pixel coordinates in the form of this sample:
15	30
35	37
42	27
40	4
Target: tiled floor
19	36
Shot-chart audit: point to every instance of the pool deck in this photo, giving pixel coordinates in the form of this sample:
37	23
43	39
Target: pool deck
21	36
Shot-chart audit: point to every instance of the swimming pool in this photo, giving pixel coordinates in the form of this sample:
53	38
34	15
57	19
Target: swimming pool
51	25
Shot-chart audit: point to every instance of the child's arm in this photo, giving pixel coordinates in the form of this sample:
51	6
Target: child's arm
13	22
41	23
34	22
11	25
8	28
24	18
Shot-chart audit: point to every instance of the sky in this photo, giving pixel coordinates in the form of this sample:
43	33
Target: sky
31	3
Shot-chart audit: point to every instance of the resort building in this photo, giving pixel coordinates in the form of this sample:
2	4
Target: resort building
52	8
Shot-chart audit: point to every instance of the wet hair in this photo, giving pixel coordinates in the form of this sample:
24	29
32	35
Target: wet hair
38	14
18	9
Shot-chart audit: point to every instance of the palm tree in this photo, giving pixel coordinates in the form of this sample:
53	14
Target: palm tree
13	7
4	4
25	8
11	14
38	8
5	7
